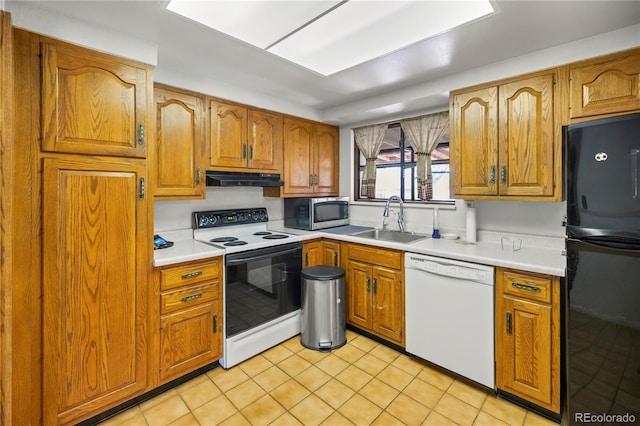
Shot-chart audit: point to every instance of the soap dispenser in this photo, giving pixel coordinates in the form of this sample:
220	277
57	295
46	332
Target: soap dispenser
436	224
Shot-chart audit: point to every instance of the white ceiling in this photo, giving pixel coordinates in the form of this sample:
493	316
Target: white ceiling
520	28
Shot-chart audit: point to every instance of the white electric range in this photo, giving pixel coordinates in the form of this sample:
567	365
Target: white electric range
261	280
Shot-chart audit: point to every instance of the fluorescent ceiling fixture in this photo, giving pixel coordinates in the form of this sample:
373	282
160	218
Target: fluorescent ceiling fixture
330	36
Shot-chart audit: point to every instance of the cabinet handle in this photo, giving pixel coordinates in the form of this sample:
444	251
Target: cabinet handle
191	275
492	174
315	180
335	259
141	188
244	151
306	259
215	323
191	297
198	176
503	173
527	287
251	152
140	133
375	285
368	283
509	323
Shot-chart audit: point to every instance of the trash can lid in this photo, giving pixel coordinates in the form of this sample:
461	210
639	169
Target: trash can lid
322	273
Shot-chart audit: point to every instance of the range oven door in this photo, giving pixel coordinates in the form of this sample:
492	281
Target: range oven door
261	285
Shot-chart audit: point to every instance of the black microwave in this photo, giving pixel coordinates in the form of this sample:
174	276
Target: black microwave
316	213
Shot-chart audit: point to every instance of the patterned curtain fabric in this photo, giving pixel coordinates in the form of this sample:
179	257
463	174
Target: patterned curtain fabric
424	133
369	140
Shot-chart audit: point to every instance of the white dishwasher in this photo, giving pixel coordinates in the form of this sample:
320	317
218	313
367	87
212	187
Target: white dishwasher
449	315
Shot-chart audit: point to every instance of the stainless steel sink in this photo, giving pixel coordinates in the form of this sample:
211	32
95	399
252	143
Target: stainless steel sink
393	236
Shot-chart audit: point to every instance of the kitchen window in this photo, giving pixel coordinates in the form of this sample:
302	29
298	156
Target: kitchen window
396	169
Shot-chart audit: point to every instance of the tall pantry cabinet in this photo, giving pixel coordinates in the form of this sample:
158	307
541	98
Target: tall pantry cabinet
85	188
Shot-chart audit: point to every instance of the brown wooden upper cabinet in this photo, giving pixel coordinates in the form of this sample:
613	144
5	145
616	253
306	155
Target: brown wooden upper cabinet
605	85
506	140
245	139
180	147
94	104
311	159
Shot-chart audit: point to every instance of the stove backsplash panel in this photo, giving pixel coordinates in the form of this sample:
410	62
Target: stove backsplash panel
172	215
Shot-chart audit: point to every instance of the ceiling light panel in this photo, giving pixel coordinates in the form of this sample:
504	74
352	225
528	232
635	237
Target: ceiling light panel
330	36
359	31
260	23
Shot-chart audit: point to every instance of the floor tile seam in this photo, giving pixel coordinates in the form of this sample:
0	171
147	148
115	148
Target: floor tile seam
302	400
205	402
395	417
479	410
195	408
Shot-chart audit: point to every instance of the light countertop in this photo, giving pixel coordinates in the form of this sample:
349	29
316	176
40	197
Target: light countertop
533	256
184	249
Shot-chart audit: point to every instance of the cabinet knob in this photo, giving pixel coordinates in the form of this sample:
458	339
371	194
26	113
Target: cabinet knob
503	173
492	174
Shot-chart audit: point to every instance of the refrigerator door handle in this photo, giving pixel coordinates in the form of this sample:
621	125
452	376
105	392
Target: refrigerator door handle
634	172
628	247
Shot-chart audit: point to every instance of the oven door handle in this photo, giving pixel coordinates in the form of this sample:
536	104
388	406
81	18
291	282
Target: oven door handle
237	259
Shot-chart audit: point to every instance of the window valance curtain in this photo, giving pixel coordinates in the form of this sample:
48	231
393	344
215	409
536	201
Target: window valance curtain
369	140
424	133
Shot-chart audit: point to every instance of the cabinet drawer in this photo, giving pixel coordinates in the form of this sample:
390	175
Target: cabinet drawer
373	255
189	274
527	286
187	297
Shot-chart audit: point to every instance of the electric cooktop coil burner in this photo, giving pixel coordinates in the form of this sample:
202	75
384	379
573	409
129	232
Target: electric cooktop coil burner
262	233
235	243
275	237
223	239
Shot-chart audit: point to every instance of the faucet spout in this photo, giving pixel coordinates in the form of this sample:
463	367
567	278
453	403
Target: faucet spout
385	213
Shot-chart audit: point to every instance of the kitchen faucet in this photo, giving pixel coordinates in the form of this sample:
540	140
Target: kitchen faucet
385	214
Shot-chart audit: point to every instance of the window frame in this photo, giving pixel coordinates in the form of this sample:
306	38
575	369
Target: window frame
403	146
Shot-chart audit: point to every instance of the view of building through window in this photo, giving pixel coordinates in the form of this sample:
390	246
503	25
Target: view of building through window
396	168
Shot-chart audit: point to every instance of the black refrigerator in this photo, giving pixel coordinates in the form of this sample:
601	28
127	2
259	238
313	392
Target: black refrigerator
602	299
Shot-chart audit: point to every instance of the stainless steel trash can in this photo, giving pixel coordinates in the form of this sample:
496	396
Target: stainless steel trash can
323	319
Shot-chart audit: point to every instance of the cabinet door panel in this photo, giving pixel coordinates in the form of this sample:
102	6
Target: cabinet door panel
327	160
93	104
298	143
265	141
359	294
180	142
474	143
190	339
312	253
331	253
388	300
526	354
606	87
527	137
96	253
228	135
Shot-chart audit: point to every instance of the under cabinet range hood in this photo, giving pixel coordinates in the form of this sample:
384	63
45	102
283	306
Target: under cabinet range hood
243	179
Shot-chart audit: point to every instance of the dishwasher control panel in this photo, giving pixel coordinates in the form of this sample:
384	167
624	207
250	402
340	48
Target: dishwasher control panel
450	268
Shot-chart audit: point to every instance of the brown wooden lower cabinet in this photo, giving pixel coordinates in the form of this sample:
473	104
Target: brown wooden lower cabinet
320	252
375	291
528	336
190	317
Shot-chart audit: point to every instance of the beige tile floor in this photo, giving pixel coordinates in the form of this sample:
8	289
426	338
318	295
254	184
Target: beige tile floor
362	383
